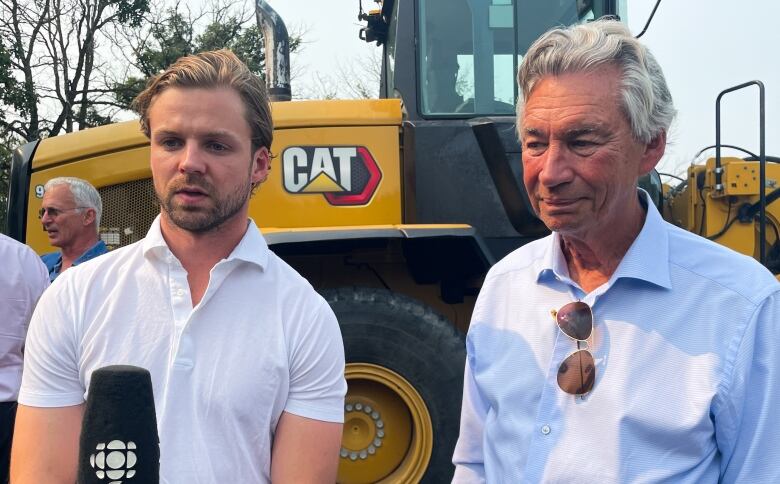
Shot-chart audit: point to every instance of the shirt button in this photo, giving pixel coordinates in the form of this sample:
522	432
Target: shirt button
545	429
180	292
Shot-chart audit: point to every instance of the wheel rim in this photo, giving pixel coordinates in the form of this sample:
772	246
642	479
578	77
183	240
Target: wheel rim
388	435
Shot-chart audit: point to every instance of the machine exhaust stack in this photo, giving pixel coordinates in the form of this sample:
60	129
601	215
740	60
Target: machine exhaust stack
277	52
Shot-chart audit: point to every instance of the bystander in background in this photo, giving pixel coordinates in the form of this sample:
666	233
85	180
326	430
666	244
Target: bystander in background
70	215
23	278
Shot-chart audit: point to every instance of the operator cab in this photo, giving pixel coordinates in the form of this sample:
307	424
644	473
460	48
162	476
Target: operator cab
452	65
458	58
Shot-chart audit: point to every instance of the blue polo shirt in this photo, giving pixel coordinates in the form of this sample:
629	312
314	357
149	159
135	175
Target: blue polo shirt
53	260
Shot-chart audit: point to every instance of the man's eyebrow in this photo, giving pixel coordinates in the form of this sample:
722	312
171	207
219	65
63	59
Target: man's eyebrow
533	132
219	133
581	130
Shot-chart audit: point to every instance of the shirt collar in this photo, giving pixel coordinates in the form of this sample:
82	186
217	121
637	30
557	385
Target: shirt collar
647	258
251	248
553	264
54	264
94	251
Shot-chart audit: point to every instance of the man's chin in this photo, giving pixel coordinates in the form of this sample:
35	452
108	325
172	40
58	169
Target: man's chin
562	224
196	221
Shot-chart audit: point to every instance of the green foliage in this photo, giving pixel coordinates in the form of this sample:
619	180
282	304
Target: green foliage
12	93
126	91
93	118
127	12
176	35
41	98
171	39
246	43
51	65
7	145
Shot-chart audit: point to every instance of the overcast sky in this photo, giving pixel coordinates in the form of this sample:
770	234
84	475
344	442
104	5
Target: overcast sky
704	46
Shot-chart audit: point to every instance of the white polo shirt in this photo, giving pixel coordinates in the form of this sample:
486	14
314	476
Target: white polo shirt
23	277
261	341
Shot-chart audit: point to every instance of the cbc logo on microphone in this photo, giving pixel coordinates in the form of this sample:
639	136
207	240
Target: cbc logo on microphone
114	461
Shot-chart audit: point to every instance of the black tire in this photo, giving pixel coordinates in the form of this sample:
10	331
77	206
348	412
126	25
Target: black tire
404	335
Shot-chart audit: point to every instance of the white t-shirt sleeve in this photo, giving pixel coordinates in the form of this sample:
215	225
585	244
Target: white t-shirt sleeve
51	376
316	358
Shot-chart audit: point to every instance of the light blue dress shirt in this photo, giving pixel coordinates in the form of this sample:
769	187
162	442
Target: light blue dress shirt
687	349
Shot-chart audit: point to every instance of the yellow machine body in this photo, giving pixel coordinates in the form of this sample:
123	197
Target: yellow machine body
310	139
703	210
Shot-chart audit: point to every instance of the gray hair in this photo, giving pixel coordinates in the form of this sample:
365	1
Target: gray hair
647	102
84	194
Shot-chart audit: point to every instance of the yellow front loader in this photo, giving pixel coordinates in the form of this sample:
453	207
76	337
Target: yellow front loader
395	208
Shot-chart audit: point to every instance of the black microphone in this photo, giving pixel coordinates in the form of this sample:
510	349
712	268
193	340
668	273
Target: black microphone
119	442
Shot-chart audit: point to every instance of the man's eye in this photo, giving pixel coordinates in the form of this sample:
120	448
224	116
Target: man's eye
218	147
582	142
583	146
170	143
535	146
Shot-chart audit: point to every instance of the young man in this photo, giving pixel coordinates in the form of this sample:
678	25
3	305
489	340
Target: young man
620	348
246	358
70	215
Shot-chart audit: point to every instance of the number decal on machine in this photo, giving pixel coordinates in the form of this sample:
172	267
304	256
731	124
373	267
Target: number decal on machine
344	175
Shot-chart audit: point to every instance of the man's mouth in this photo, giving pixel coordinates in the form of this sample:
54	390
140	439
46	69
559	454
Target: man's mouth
559	202
191	193
191	190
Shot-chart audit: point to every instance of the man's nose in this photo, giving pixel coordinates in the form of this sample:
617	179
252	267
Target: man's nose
45	217
557	168
192	160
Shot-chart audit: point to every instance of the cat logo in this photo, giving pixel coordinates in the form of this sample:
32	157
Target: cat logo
344	175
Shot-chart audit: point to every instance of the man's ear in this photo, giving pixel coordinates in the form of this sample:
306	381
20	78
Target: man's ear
654	151
90	214
261	165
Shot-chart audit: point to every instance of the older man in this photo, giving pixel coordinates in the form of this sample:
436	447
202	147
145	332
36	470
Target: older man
620	348
70	214
246	358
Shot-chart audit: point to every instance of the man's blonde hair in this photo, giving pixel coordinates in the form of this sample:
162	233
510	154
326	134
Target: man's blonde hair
214	69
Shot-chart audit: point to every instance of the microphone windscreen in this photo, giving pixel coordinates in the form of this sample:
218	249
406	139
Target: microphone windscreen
119	441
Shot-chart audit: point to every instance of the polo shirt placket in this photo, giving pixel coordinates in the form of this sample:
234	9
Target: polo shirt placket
181	306
184	314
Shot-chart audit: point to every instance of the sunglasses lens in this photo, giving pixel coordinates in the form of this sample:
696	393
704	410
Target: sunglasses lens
576	320
577	373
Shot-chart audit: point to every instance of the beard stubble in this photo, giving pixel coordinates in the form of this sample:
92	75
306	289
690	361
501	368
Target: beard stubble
201	219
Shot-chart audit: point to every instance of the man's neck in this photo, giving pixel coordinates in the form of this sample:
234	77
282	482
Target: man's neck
200	252
76	249
592	258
